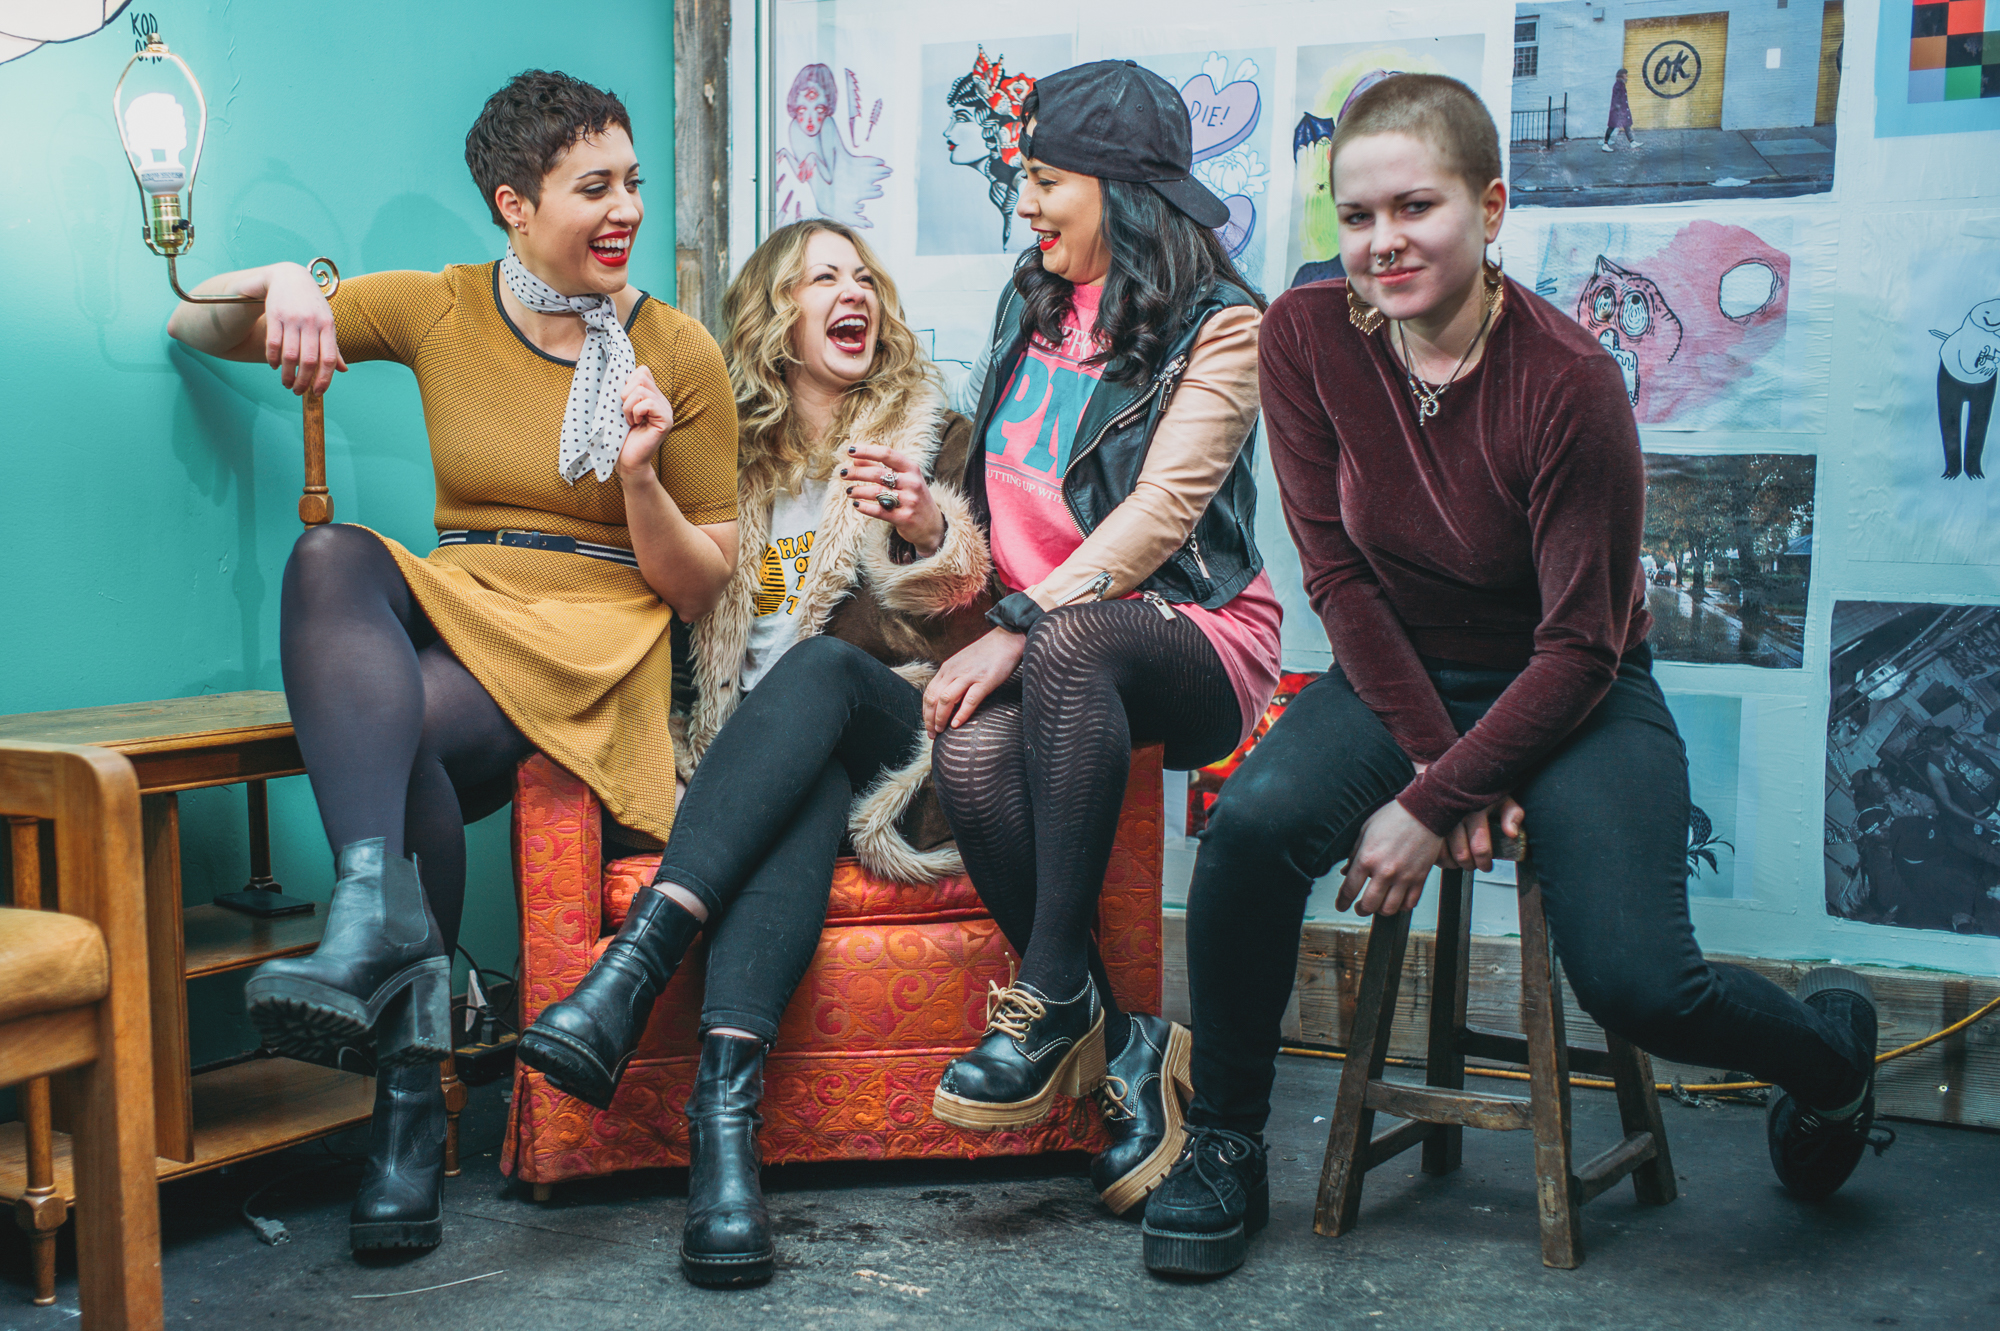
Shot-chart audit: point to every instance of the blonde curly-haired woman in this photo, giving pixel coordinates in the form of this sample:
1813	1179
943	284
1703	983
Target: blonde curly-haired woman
855	572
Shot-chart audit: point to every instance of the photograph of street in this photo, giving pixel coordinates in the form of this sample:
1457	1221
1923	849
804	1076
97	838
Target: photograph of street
1619	103
1913	766
1727	556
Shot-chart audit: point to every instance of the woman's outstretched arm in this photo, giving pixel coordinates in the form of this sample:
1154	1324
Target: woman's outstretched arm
291	331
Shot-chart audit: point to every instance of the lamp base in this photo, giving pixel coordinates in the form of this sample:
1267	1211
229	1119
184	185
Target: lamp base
262	903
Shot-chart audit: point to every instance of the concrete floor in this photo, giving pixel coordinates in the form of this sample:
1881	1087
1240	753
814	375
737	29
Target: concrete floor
1911	1242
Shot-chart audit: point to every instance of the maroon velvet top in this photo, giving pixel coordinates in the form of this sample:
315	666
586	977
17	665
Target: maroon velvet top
1501	534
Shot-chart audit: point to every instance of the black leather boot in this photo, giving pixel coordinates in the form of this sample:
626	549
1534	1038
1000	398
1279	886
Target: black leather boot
1034	1048
583	1043
1141	1099
1815	1150
399	1203
727	1238
377	993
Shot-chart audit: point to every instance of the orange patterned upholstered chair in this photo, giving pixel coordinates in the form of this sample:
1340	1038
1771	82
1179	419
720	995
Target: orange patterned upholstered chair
896	990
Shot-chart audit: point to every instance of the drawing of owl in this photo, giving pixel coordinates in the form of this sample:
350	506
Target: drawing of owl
1632	320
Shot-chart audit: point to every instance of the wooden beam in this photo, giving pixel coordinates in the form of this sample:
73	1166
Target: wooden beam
701	159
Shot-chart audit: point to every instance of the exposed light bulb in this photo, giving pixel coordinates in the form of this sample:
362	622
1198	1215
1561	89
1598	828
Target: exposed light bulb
156	132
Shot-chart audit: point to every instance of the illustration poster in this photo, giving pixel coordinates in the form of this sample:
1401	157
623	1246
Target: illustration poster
25	27
1227	95
1329	78
1929	342
1937	68
1695	313
837	107
1614	103
969	143
1913	766
1727	555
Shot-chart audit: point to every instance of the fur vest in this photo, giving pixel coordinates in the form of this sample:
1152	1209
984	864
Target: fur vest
910	614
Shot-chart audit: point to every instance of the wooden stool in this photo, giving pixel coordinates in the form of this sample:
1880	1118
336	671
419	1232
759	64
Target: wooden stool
1441	1110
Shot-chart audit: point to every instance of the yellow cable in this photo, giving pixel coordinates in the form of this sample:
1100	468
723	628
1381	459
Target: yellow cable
1599	1083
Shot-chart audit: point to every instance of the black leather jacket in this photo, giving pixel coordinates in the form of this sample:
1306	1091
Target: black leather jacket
1220	557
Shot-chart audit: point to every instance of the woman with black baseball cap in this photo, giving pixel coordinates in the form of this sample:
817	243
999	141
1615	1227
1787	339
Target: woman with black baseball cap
1120	390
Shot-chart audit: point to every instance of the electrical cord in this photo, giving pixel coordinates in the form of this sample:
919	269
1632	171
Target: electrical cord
1676	1089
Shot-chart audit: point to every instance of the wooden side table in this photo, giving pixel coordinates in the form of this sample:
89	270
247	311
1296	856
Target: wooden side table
241	1109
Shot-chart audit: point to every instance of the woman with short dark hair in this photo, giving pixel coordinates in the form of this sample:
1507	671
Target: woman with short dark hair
1118	400
584	441
1461	472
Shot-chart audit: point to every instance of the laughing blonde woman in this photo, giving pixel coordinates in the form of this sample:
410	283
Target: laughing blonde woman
852	563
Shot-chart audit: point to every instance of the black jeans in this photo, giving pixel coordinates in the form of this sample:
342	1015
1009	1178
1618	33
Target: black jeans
761	824
1608	826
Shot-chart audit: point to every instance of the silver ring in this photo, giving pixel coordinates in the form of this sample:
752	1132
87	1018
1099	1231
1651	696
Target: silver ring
886	499
889	479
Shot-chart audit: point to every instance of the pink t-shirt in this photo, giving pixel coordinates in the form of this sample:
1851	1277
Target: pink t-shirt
1028	447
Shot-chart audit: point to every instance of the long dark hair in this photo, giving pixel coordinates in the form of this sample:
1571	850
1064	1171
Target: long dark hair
1162	263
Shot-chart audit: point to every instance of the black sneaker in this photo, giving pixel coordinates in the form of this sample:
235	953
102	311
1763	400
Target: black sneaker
1814	1153
1141	1099
1199	1221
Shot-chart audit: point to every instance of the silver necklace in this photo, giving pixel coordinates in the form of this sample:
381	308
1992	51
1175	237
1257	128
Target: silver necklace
1422	394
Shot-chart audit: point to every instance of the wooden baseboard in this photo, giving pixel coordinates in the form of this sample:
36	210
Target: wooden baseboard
1956	1080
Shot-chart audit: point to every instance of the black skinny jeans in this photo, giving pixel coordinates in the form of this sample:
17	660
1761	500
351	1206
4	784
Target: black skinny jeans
1607	822
761	825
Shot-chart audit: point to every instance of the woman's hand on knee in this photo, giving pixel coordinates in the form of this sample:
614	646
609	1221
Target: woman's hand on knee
884	483
1391	861
972	673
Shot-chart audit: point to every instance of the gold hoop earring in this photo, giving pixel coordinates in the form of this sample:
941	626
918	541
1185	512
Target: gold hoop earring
1361	314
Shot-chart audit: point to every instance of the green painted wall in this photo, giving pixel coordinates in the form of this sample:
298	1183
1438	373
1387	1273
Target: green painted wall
150	494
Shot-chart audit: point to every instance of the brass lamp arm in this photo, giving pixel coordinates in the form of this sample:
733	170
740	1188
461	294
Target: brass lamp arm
322	269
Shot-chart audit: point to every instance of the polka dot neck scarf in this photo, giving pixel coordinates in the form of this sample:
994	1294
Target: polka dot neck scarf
593	427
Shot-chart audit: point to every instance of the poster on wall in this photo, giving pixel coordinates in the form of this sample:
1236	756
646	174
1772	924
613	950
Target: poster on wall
1727	555
1927	481
1913	766
1937	68
1329	78
1697	314
30	27
1615	103
969	140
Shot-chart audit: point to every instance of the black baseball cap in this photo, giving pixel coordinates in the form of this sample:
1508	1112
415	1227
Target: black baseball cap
1118	120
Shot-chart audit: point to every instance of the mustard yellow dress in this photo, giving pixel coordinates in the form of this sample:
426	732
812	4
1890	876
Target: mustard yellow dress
576	651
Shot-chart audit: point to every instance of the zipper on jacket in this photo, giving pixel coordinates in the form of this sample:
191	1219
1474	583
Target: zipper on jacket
1194	548
1091	589
1171	370
1159	603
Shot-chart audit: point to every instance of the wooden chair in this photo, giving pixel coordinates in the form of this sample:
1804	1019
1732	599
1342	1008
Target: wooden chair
1439	1111
73	1004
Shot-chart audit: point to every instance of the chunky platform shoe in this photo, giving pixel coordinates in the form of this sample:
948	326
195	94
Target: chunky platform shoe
1813	1151
1199	1221
400	1202
1141	1098
1034	1049
583	1043
727	1237
377	993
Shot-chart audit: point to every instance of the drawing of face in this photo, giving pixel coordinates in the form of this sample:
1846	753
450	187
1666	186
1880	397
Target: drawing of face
1631	304
811	99
1986	316
965	139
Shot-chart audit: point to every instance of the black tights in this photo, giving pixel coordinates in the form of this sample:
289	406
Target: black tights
1034	782
400	741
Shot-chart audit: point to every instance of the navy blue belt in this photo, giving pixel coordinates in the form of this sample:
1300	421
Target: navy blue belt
540	540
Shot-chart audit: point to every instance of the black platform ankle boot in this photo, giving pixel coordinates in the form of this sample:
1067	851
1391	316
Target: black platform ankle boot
1141	1099
1034	1048
727	1238
377	993
583	1043
399	1203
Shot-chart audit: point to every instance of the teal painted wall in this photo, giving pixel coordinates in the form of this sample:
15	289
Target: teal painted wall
150	494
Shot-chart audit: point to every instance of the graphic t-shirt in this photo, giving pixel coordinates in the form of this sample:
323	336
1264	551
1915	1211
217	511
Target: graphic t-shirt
786	560
1028	447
